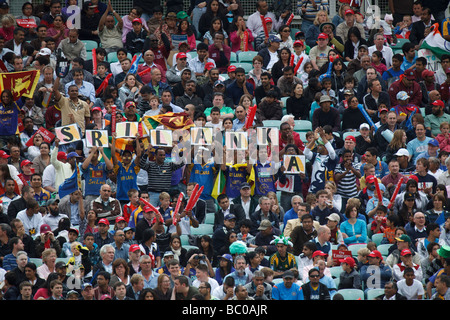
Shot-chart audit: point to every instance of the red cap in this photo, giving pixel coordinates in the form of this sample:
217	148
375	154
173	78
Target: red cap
298	43
134	247
322	36
370	179
375	254
410	74
209	65
137	20
268	20
427	73
351	138
349	11
318	253
118	219
231	69
405	252
181	55
25	163
61	156
96	109
130	104
45	228
104	221
4	155
349	260
414	178
439	103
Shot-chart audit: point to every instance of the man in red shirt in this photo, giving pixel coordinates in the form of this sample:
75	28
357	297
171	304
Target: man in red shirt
220	52
408	84
149	63
161	52
288	136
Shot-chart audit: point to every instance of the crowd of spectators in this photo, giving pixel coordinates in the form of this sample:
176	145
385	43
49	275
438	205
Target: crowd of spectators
376	153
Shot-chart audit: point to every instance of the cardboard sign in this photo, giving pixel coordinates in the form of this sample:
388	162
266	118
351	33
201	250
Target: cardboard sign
201	136
97	138
294	164
288	186
161	138
126	129
264	136
236	140
68	134
46	135
340	254
178	38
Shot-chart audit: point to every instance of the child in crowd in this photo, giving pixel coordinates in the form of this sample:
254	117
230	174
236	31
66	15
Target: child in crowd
389	231
102	73
377	62
304	73
164	208
215	122
154	103
379	223
67	246
444	137
403	29
326	88
128	208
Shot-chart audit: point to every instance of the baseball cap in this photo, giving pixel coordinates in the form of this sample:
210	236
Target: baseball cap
25	163
405	252
4	155
439	103
45	52
138	20
264	225
134	247
402	95
181	55
350	138
60	265
231	69
322	36
71	292
402	152
105	297
375	254
74	230
96	109
229	216
334	217
61	156
73	154
427	73
408	196
348	260
245	185
227	256
126	229
410	74
363	46
219	83
51	201
349	11
370	179
288	274
45	228
118	219
364	126
404	238
86	285
103	221
182	15
209	65
434	142
444	252
268	19
299	43
318	253
274	38
168	253
348	92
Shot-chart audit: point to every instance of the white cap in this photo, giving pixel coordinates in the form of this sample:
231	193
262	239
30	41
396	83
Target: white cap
402	152
364	125
45	52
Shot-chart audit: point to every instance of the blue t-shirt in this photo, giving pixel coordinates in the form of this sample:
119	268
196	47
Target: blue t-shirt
381	169
264	178
204	176
280	292
94	177
415	147
235	176
9	118
126	179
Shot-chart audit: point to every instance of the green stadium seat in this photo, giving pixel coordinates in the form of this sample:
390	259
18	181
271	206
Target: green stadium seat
302	125
233	57
90	44
352	294
247	56
377	237
245	65
373	293
272	123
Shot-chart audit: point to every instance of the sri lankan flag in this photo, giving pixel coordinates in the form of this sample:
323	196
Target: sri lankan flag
20	83
170	120
71	184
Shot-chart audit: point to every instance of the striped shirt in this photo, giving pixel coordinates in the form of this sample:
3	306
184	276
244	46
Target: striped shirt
311	12
159	176
346	187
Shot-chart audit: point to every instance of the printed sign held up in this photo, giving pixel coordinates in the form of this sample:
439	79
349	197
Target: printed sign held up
68	134
294	164
97	138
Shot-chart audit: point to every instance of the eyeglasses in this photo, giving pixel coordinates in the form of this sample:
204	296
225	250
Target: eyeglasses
202	287
314	276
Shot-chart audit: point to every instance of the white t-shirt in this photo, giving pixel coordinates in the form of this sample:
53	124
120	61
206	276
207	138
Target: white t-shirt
212	282
410	292
273	59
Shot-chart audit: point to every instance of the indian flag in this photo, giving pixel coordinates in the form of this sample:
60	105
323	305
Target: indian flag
435	42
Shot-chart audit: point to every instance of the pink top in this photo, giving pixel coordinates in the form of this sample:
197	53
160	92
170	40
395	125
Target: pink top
236	42
51	32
